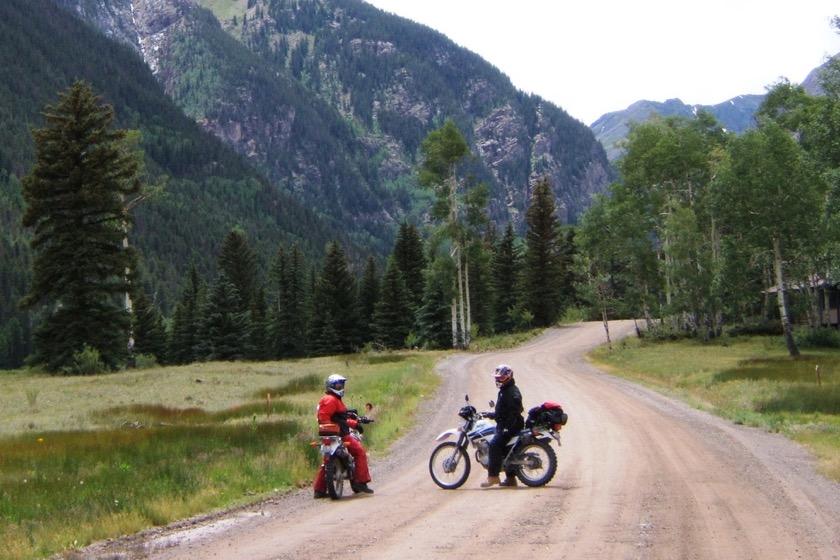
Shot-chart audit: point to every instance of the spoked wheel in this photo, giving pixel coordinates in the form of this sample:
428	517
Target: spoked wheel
537	464
335	475
449	465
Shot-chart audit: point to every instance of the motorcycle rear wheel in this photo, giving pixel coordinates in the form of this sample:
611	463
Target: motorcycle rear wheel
449	465
335	475
539	463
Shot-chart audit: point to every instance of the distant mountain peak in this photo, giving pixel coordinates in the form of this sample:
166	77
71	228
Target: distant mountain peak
735	115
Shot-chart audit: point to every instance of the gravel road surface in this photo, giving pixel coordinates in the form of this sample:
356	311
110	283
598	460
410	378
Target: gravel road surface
640	476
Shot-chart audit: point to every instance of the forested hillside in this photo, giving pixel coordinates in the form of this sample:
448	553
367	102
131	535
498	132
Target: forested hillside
294	123
209	188
333	98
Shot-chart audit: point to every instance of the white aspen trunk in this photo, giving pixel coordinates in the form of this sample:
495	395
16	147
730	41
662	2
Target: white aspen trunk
454	308
460	275
468	320
606	326
784	313
716	258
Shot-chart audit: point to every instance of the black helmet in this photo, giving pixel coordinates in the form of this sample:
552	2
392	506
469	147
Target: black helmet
503	375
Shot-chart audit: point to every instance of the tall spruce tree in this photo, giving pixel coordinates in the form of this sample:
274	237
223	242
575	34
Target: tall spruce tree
369	290
505	281
543	275
258	345
239	263
186	320
149	328
290	315
75	197
411	259
334	323
224	326
433	317
393	317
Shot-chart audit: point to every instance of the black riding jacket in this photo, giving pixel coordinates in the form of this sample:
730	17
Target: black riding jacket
509	409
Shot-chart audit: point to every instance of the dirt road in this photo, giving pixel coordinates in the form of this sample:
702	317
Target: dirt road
640	477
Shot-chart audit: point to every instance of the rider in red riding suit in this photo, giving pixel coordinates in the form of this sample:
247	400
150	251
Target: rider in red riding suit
331	409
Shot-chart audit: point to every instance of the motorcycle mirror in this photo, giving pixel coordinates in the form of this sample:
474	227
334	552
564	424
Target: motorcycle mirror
492	404
467	398
368	407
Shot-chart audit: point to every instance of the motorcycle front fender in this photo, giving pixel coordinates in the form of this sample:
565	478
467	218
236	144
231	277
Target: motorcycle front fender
447	433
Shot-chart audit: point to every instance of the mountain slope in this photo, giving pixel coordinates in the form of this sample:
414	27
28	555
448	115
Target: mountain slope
210	188
332	98
736	115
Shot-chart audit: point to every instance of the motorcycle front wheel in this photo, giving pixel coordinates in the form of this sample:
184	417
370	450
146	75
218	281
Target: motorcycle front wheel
449	465
335	475
537	463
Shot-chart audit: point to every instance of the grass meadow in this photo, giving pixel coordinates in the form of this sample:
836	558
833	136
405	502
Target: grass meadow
88	458
749	380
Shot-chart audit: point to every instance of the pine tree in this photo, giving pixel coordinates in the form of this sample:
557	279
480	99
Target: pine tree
186	320
149	328
393	318
543	273
239	263
290	315
434	316
506	274
335	318
411	260
369	291
224	327
75	196
257	346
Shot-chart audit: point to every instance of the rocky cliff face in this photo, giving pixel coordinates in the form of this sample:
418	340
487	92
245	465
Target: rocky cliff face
403	84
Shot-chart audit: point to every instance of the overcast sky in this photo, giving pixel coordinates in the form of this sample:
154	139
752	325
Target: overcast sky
597	56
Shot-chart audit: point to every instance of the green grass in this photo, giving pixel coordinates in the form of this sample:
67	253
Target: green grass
88	458
748	380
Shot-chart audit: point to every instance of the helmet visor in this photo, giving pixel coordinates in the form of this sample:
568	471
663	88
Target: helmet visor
337	385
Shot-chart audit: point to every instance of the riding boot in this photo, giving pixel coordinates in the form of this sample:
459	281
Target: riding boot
364	488
509	481
491	481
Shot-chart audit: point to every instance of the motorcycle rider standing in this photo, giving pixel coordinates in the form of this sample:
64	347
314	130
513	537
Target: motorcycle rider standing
509	421
331	409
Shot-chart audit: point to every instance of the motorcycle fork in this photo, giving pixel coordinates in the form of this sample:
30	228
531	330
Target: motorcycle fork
462	444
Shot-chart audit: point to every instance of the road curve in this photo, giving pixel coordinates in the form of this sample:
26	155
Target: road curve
640	476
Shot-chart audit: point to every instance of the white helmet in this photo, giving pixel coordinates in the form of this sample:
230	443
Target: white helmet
335	385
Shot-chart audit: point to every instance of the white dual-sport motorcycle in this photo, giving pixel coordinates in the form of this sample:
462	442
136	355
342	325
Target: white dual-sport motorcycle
528	454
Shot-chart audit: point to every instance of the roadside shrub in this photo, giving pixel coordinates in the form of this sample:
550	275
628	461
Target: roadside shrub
145	361
823	337
85	362
762	328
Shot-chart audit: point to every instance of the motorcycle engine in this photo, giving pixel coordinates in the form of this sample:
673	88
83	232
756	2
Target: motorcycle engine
482	453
